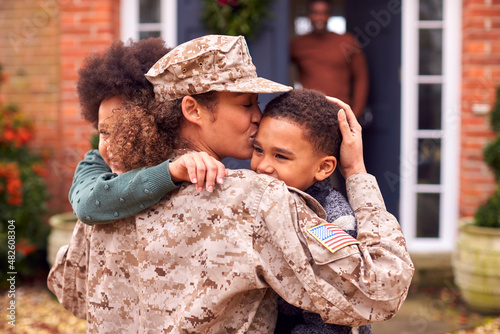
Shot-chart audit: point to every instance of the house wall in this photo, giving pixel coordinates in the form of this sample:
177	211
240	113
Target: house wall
29	54
480	77
44	46
85	27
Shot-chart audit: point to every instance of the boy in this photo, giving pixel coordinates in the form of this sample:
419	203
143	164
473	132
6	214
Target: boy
298	142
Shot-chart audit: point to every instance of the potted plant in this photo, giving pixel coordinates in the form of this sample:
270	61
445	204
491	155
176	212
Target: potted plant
476	260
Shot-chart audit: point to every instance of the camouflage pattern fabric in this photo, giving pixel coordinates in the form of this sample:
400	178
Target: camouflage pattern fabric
213	262
208	63
68	277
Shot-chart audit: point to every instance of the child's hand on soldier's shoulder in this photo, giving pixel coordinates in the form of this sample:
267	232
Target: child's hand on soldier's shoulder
198	168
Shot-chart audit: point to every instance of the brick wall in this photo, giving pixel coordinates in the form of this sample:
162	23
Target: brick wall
29	53
85	26
480	77
44	45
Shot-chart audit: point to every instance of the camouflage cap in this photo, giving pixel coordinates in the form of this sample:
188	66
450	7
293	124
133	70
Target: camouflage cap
209	63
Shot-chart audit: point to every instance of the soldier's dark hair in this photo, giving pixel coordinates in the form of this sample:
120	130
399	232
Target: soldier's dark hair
310	110
119	70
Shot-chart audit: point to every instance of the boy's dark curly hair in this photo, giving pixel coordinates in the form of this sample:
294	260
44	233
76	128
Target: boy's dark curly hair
310	110
117	71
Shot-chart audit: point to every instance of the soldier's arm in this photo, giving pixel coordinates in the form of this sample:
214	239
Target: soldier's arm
355	285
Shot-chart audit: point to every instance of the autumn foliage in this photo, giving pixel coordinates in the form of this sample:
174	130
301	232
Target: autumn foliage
23	194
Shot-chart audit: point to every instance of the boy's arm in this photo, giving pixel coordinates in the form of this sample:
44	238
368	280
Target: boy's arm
100	196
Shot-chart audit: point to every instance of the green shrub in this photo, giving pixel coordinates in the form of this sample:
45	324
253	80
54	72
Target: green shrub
488	215
23	197
235	17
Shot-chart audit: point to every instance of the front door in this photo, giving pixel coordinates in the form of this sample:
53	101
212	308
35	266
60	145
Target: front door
378	31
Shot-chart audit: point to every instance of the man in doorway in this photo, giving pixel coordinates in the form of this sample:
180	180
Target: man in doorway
331	63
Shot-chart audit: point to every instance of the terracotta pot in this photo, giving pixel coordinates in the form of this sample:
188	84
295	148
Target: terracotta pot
476	266
62	226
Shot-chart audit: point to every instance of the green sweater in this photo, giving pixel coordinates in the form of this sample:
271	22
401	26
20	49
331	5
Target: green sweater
100	196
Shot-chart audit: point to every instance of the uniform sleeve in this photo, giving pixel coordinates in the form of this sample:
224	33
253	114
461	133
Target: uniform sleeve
100	196
355	285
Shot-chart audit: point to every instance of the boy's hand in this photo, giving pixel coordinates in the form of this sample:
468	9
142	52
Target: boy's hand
351	149
198	168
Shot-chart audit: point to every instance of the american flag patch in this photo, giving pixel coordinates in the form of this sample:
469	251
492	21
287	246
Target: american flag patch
332	237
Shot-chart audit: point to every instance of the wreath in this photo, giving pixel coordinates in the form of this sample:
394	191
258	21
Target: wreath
235	17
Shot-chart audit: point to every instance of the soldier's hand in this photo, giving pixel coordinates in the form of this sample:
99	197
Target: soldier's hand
351	149
198	168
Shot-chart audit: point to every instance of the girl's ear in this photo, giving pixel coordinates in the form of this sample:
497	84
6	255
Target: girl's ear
191	110
326	168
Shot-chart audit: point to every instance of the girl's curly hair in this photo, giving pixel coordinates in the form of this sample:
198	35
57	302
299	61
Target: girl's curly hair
117	71
146	131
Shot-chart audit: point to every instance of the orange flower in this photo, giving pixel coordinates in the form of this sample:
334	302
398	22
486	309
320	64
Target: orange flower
14	186
25	247
24	135
40	170
15	200
9	170
9	135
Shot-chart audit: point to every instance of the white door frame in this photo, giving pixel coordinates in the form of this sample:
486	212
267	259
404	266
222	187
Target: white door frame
130	27
449	133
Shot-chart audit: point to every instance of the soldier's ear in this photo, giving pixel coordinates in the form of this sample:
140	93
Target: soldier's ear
326	167
191	110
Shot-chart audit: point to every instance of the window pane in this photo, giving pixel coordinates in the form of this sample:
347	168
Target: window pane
429	161
149	11
147	34
430	51
431	10
429	106
428	215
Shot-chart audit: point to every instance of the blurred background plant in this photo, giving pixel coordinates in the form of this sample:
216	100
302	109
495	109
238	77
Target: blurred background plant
23	194
235	17
488	215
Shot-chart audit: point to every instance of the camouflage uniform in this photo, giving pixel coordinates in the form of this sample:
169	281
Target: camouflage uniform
212	262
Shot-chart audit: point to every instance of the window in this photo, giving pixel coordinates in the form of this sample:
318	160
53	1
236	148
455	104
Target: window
142	19
430	123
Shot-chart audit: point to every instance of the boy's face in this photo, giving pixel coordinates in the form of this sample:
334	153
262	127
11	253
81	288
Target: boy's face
231	128
281	151
106	119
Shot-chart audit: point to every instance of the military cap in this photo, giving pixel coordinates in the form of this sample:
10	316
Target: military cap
209	63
